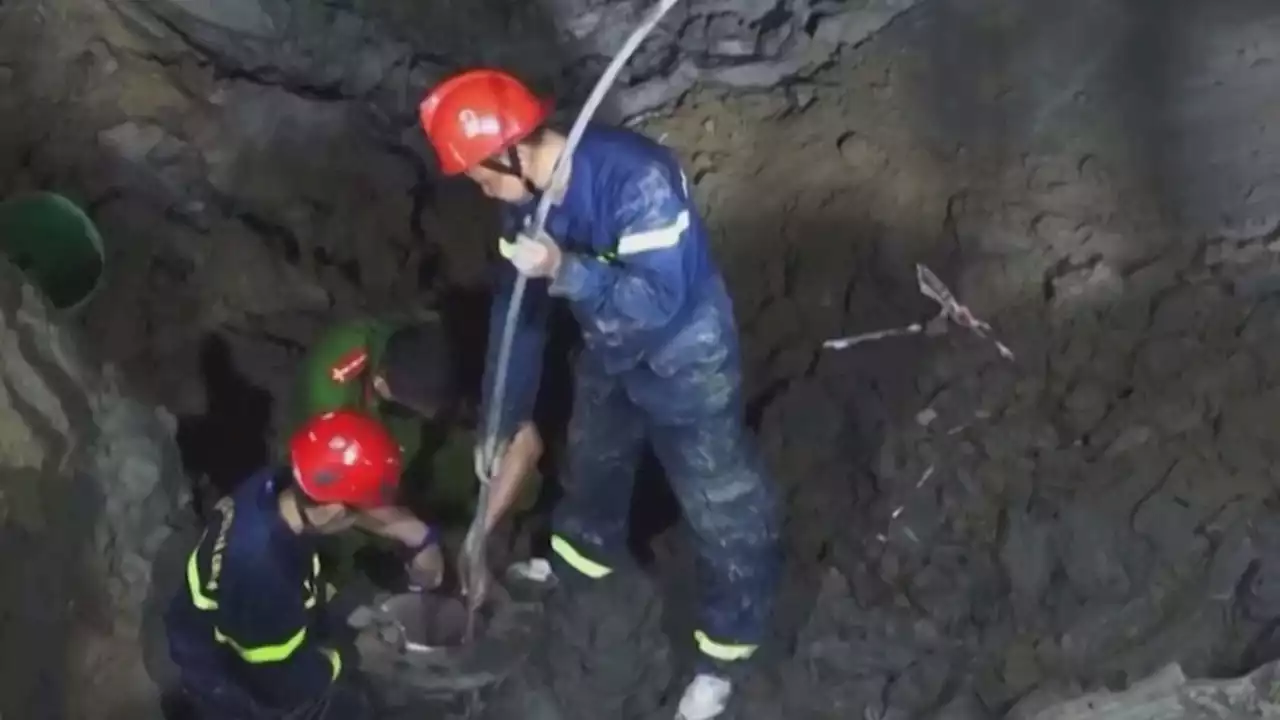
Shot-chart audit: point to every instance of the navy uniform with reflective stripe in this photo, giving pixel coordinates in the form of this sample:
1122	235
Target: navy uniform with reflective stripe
661	362
245	631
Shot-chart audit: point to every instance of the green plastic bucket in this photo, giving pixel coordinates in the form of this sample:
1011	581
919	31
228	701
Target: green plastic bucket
55	244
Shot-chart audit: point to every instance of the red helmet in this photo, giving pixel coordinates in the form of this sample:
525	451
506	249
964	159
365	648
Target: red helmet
476	114
346	457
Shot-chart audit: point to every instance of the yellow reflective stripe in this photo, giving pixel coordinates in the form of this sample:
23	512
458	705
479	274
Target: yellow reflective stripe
204	602
577	560
264	653
336	661
198	598
722	651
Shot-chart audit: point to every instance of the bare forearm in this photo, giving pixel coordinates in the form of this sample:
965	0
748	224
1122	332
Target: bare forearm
503	493
514	472
394	523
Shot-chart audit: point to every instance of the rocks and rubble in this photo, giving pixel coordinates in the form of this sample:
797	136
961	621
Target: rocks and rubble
90	492
353	49
1099	508
1166	694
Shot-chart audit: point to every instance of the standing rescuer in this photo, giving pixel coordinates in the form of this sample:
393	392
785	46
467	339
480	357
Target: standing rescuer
249	632
625	246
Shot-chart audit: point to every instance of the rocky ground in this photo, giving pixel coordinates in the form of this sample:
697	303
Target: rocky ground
1097	179
91	498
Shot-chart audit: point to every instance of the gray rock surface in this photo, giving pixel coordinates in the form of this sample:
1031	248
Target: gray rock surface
963	532
89	485
356	48
1169	695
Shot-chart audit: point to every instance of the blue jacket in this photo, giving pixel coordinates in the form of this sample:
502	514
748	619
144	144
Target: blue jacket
636	264
249	613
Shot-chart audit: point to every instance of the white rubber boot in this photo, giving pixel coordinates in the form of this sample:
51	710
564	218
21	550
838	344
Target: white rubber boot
535	570
704	698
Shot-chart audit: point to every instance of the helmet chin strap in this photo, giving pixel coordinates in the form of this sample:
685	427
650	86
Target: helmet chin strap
512	168
304	503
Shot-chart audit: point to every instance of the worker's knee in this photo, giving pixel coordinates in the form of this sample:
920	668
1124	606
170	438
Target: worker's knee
732	510
740	556
720	481
712	446
731	505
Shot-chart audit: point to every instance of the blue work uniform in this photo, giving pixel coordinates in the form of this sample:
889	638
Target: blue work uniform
661	361
247	629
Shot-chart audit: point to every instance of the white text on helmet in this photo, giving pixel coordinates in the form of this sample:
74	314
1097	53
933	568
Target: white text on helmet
474	125
351	454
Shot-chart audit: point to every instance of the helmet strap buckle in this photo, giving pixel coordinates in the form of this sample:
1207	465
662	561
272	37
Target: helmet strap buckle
513	168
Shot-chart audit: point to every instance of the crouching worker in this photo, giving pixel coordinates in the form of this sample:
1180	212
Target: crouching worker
401	372
249	632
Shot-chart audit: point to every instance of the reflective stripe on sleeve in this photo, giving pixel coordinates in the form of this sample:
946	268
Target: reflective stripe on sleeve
198	598
658	239
264	653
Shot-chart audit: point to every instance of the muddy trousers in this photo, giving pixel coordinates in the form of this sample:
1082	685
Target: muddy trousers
223	700
694	419
209	691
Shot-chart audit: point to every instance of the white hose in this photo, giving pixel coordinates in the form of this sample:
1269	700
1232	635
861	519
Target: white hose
544	207
498	396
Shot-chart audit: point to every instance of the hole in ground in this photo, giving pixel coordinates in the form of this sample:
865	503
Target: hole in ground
229	441
432	620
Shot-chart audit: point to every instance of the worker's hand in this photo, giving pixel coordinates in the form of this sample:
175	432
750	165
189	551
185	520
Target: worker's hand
426	569
536	257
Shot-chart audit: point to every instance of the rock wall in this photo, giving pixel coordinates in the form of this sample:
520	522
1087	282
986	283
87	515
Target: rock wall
89	483
387	50
1095	178
1166	694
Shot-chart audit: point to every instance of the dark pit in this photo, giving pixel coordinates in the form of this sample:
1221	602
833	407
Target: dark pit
432	621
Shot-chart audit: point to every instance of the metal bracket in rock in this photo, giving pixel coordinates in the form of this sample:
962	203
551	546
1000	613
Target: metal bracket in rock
389	659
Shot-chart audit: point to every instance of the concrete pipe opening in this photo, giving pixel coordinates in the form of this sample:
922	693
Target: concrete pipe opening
431	621
55	244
